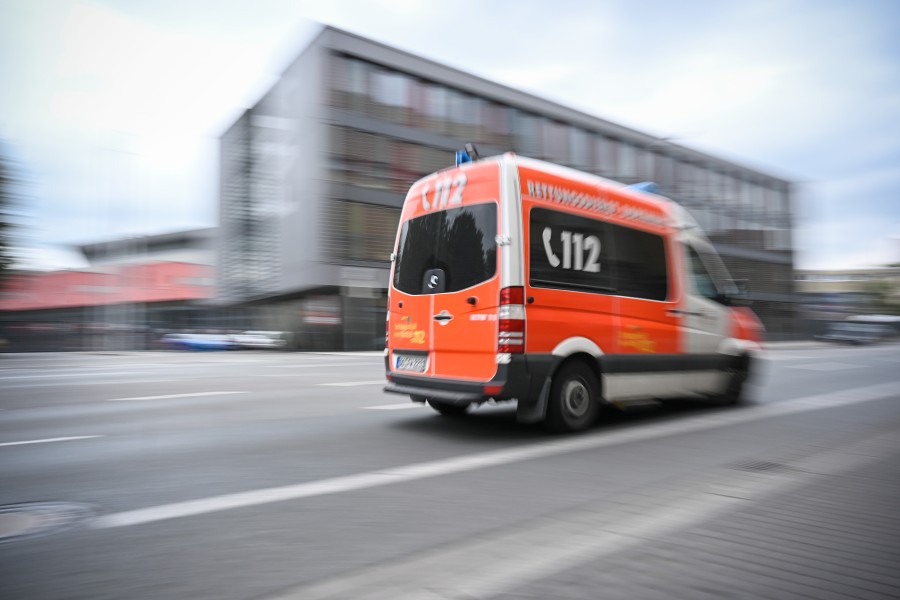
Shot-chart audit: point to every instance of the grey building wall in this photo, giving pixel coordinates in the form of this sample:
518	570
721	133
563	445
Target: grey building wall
232	281
300	232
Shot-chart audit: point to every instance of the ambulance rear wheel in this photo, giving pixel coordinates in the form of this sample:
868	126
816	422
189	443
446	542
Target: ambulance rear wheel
447	409
574	398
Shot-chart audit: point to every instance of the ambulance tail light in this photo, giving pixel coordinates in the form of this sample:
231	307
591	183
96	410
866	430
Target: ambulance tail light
511	319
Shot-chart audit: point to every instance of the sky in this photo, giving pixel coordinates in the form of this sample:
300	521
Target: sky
111	109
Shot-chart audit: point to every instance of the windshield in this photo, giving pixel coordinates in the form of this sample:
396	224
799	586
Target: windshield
451	250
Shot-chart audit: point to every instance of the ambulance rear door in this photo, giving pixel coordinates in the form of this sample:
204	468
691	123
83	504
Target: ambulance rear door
445	286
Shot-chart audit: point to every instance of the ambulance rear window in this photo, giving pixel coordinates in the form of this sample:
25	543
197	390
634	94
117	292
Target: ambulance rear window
456	245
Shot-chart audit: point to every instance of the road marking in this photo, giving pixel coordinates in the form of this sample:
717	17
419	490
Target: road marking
355	383
400	406
45	376
168	396
48	440
95	383
776	357
493	458
360	354
827	366
275	375
312	366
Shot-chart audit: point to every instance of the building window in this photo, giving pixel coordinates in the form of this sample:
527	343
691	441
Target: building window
555	142
579	149
604	156
436	106
627	162
497	121
360	232
664	171
644	159
349	84
527	134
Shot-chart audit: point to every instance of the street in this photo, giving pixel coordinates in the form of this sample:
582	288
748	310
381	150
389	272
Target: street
252	475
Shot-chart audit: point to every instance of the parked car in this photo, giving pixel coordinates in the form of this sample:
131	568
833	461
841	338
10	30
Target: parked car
197	341
855	333
259	339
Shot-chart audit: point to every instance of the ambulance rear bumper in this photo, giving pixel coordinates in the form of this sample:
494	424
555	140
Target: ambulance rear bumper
511	381
451	397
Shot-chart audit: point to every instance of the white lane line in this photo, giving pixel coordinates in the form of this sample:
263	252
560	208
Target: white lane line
57	375
360	354
27	386
48	440
400	406
494	458
355	383
313	366
279	375
777	357
168	396
826	366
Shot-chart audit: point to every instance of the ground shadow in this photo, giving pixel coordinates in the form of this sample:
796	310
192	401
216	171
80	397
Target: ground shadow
497	423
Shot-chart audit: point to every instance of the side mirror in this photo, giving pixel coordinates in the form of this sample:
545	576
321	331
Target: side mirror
739	295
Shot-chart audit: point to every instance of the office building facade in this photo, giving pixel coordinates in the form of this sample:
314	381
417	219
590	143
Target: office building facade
314	175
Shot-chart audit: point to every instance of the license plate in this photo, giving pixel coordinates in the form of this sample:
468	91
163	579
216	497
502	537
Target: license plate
406	362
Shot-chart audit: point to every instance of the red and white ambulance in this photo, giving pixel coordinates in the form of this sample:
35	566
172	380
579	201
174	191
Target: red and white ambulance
516	279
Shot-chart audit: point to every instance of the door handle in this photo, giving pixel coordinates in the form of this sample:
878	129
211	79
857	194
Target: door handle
443	317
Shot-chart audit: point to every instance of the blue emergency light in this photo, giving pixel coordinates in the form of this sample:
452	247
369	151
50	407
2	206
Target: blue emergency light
646	186
470	154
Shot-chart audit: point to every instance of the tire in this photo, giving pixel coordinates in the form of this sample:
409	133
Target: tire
734	391
447	409
574	398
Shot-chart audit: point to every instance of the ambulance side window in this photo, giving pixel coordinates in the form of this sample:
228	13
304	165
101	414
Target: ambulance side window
577	253
640	264
711	274
703	281
569	252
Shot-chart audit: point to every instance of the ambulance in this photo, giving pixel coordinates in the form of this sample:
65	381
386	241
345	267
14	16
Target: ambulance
516	279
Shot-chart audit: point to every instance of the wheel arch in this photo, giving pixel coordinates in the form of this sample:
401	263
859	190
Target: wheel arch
571	349
578	348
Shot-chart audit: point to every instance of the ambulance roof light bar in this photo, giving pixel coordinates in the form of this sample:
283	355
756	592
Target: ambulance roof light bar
470	154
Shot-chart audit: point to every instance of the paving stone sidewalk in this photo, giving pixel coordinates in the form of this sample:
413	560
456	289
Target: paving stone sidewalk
836	537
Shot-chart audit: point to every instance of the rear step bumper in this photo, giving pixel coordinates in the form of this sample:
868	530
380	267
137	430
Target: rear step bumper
516	380
445	395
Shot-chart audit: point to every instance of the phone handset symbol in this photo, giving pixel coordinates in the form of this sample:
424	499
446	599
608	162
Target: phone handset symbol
554	260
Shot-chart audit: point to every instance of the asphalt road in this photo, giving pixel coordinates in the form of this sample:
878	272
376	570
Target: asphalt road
284	475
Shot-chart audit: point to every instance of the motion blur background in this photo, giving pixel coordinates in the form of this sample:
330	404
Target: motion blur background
183	171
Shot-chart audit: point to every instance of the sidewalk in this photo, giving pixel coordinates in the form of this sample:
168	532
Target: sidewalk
833	534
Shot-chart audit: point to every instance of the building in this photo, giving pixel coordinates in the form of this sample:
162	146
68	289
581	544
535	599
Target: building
313	177
133	290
